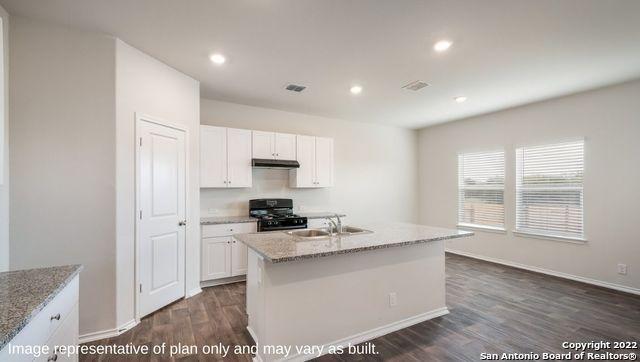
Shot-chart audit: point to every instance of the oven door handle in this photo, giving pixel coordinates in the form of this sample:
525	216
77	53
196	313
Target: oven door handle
285	228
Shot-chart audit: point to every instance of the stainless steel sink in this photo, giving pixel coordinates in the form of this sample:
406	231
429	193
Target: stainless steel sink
325	233
352	230
310	233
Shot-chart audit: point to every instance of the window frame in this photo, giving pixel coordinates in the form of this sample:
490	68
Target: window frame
544	236
481	227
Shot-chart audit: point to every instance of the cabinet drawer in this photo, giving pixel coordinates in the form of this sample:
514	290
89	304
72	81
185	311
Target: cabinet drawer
65	335
212	231
42	326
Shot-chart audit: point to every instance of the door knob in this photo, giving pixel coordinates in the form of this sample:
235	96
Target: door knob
182	223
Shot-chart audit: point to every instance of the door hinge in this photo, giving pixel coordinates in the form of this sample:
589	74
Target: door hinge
140	141
140	287
140	214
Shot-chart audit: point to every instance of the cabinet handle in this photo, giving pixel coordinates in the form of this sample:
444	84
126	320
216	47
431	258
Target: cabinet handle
228	242
56	317
53	358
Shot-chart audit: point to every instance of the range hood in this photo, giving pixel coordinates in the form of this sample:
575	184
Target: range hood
271	163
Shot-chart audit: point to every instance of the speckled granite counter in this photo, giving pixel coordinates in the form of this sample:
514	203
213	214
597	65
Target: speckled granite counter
278	246
24	293
214	220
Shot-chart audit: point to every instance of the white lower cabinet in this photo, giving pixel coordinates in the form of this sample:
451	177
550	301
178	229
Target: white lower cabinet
238	258
222	255
216	258
55	325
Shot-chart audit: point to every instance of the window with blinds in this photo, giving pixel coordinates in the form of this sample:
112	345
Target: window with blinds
549	193
481	189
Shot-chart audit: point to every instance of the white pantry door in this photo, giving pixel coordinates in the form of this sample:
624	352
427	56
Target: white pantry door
161	215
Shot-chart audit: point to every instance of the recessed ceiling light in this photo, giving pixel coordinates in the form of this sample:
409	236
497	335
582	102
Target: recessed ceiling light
460	99
218	59
356	89
442	45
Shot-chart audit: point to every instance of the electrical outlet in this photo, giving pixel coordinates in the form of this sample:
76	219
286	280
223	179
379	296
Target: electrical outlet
393	299
622	269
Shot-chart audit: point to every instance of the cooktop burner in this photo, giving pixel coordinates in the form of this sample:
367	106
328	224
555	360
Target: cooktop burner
276	214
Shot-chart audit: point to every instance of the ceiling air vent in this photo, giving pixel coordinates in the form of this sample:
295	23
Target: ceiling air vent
417	85
295	88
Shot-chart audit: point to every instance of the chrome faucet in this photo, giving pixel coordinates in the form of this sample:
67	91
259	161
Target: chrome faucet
337	226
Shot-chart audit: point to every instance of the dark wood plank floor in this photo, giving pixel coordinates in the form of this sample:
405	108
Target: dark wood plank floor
494	309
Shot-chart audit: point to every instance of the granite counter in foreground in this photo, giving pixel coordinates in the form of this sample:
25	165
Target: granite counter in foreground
24	293
278	246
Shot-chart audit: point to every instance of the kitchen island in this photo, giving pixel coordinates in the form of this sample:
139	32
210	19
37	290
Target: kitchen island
306	296
38	307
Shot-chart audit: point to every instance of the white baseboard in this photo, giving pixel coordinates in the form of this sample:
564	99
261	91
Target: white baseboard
194	292
222	281
94	336
554	273
364	336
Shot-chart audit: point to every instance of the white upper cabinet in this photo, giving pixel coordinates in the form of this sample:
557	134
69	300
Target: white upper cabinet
225	157
315	155
324	162
271	145
213	156
305	176
264	145
285	146
239	167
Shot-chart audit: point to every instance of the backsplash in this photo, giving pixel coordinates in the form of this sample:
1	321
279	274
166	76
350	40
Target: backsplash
267	183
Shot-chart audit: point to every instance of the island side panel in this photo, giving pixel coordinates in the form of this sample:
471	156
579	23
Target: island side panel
342	298
255	295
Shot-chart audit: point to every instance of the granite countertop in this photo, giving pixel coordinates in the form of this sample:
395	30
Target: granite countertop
278	246
24	293
214	220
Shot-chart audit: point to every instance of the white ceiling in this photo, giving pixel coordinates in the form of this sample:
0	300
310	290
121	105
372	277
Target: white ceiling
505	52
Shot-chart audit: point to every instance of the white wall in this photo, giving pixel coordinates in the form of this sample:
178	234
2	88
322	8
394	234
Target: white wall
609	119
148	86
62	132
375	166
4	150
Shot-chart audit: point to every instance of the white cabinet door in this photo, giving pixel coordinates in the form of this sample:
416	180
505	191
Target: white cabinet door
285	146
216	260
324	162
305	175
213	156
239	158
238	258
263	145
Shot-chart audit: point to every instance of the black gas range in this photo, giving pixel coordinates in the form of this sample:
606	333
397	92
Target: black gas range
276	214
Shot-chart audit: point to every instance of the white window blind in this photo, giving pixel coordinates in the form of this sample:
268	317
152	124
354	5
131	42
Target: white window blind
549	194
481	189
